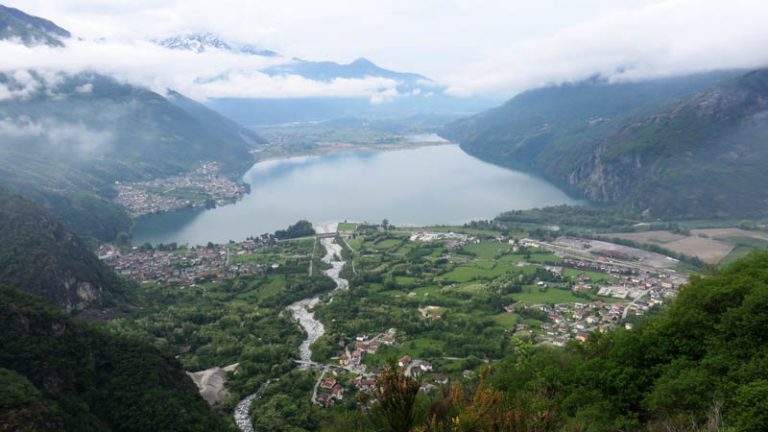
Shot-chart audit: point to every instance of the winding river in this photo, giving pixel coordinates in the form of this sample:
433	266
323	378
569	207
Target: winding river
302	311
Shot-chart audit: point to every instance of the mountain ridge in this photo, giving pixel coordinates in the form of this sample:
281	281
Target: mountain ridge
31	30
667	148
70	136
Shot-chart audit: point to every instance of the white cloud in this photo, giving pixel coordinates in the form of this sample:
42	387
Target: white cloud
212	74
67	138
472	46
667	38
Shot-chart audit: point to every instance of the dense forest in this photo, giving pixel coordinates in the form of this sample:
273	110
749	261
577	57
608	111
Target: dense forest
40	255
58	374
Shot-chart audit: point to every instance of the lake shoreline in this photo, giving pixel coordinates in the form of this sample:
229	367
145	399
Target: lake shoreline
425	185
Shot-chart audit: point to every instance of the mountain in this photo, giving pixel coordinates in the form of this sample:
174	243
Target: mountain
314	70
358	69
202	42
30	30
417	94
688	147
58	374
68	138
68	141
40	256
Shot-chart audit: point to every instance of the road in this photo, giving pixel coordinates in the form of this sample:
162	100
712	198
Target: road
626	308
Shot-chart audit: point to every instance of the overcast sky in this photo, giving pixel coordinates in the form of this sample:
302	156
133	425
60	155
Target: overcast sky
477	46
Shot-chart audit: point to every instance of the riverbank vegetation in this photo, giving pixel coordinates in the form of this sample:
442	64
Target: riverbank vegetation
240	320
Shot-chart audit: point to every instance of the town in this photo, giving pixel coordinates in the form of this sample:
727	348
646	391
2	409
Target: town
204	187
187	266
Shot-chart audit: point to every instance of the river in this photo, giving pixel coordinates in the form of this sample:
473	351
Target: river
422	186
303	313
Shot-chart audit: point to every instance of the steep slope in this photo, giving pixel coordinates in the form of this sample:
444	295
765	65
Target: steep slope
58	374
65	139
66	142
684	147
22	406
30	30
702	157
38	255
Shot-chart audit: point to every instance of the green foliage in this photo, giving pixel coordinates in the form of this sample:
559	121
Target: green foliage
566	216
395	394
132	134
705	351
287	406
659	147
302	228
22	407
91	379
39	255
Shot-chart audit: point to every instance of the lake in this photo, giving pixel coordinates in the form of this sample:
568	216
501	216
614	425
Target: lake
422	186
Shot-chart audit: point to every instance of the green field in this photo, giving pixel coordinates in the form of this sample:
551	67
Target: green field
488	249
595	276
388	244
355	243
346	226
471	284
534	294
744	245
506	320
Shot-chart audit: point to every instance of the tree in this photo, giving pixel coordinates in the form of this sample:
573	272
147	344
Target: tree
301	228
396	394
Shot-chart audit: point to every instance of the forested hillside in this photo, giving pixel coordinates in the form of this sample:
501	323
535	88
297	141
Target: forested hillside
686	147
57	374
40	256
67	143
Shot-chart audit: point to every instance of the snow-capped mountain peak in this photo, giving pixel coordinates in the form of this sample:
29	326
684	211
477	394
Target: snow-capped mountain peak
202	42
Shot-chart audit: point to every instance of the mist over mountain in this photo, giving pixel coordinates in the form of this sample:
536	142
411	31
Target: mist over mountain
202	42
405	94
636	302
66	141
16	25
66	138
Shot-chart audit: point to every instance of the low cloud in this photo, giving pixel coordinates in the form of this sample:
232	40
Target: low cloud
478	47
663	39
71	139
212	74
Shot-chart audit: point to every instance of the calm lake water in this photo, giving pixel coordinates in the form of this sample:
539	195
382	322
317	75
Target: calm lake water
423	186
